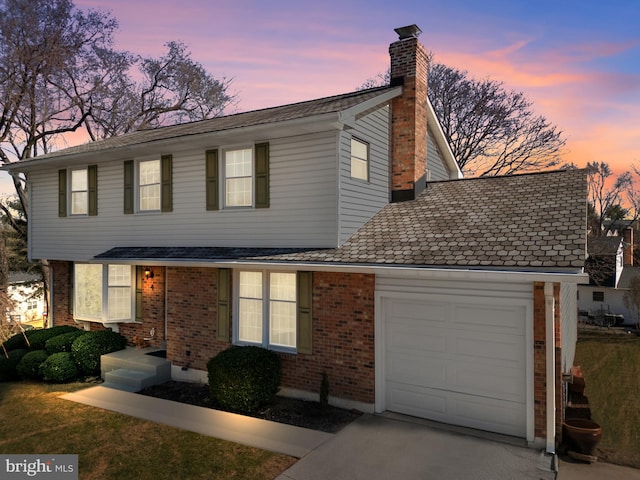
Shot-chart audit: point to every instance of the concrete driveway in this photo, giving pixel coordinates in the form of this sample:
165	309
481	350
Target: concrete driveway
378	447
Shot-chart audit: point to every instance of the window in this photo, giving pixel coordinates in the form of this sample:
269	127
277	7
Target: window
149	185
598	296
79	192
359	160
267	309
238	175
103	293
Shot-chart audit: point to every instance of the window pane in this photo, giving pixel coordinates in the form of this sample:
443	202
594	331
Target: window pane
149	172
283	286
251	284
250	315
150	197
79	203
359	169
119	275
119	303
283	323
88	291
79	180
238	163
238	192
358	149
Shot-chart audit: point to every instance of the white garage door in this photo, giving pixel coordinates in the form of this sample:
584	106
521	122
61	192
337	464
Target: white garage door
458	359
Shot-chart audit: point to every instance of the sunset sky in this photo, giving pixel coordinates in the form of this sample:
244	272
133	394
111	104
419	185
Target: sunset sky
578	61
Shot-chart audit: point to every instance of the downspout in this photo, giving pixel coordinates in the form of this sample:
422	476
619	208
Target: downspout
550	310
166	303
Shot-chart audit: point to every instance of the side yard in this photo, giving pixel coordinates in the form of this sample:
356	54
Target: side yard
113	446
610	361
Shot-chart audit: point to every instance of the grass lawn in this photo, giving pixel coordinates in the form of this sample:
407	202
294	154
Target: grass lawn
611	367
115	446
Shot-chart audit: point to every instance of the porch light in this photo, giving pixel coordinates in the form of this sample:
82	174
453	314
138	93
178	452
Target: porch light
148	273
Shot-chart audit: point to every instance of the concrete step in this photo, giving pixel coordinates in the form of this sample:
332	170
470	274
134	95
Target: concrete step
135	359
131	380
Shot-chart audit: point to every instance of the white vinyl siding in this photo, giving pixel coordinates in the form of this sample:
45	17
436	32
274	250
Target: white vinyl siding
302	212
435	162
266	312
359	200
79	192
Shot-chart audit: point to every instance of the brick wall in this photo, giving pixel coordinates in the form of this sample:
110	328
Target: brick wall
540	361
408	114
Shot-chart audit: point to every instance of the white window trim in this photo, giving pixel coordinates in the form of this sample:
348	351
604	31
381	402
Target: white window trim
223	176
105	300
265	311
70	191
138	186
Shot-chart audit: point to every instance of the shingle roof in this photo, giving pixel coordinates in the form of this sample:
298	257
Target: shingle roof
519	221
272	115
532	221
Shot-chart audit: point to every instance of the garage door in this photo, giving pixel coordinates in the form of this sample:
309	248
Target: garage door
458	359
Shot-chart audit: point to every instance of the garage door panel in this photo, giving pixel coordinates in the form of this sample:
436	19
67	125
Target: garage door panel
452	361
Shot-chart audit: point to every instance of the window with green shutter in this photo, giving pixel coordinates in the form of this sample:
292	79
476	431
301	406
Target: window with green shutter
238	177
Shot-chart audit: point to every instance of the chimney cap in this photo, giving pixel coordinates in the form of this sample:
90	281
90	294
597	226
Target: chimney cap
410	31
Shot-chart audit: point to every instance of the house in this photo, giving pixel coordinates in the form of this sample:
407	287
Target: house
337	232
611	268
27	300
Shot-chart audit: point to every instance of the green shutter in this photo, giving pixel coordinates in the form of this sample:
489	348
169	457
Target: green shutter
139	274
262	175
212	180
305	312
128	187
224	303
166	180
62	193
92	171
72	279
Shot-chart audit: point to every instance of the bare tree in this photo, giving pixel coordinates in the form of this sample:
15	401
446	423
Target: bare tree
59	74
491	130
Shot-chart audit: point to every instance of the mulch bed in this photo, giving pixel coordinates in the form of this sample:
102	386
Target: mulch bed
291	411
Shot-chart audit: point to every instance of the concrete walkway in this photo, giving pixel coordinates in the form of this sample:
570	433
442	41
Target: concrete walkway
276	437
374	447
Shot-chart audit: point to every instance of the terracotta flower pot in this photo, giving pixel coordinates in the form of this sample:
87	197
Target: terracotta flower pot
584	434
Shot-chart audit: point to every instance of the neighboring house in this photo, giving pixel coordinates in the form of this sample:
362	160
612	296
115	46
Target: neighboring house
25	292
337	232
611	269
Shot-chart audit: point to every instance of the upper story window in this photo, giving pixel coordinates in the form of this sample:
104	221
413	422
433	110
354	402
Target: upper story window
103	293
597	296
149	185
238	178
78	191
359	159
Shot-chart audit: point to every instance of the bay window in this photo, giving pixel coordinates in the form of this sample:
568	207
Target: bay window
103	293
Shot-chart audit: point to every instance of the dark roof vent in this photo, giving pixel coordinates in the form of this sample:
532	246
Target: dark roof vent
411	31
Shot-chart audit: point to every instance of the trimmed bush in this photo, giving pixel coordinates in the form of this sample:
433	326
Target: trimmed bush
59	368
243	378
9	366
38	338
29	366
87	348
62	343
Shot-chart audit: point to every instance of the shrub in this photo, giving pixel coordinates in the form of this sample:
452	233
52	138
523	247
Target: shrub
9	366
38	338
16	342
87	348
29	366
243	378
62	343
59	368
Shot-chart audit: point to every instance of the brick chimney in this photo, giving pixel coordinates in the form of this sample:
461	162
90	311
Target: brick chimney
408	115
627	247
